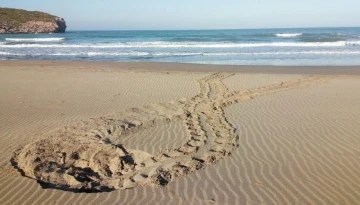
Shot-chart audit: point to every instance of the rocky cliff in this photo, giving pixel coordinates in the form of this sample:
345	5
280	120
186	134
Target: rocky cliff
14	21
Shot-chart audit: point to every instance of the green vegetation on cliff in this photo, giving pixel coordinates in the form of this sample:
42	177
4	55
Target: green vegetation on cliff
18	16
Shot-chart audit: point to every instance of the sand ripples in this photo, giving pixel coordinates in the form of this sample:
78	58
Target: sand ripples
297	146
86	157
301	155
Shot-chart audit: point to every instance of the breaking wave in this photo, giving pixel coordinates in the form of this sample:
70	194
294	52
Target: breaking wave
164	54
34	39
163	44
288	35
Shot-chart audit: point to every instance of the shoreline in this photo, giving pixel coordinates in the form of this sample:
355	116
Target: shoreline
187	67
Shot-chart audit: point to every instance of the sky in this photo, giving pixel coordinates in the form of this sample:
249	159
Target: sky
196	14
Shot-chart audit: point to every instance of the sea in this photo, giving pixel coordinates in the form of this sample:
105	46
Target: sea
293	46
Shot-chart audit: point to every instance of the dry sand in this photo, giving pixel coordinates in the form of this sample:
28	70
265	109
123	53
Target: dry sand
159	134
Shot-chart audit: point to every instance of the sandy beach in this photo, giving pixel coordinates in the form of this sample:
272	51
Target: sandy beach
163	133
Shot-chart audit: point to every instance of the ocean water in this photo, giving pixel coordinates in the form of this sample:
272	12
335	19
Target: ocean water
308	46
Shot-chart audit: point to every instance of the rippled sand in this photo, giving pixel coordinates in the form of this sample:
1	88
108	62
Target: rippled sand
298	141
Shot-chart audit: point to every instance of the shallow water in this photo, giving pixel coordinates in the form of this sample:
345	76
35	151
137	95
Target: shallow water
311	46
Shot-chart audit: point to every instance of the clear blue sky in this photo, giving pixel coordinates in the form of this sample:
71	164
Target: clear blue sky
196	14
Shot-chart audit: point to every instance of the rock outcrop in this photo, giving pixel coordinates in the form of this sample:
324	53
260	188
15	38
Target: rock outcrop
13	21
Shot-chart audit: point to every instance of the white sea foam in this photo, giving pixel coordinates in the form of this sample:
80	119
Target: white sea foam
133	53
288	35
61	54
285	53
161	44
118	54
11	54
177	54
34	39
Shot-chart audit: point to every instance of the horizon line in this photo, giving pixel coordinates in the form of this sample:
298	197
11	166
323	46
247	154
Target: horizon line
210	29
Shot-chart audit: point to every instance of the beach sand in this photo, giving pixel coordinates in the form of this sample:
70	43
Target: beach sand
160	133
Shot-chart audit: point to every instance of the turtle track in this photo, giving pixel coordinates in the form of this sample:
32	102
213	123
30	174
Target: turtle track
84	158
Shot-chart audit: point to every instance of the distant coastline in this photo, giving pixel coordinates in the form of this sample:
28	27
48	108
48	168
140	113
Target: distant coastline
216	29
18	21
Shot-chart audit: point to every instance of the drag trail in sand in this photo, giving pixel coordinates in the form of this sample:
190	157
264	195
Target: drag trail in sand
87	156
